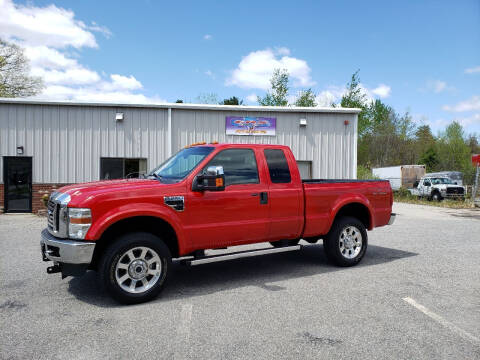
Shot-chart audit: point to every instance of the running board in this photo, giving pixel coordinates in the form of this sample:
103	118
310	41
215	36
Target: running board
240	254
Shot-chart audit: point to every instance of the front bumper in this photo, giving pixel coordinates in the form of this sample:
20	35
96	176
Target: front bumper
66	251
392	218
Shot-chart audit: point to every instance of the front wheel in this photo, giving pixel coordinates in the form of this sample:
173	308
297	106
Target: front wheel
436	196
346	243
135	267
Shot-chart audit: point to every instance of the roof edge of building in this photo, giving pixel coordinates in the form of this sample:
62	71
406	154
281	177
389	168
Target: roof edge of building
187	106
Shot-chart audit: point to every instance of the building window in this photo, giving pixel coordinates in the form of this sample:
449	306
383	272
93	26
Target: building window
120	168
277	166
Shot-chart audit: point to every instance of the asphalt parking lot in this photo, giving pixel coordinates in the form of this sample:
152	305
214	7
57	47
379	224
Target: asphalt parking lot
415	295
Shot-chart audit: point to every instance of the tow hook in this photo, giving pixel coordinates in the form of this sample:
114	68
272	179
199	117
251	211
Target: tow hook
53	269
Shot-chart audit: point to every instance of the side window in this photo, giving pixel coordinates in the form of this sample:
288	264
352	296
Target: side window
277	166
239	166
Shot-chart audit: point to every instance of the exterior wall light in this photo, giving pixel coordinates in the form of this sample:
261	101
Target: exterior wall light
303	122
119	117
19	150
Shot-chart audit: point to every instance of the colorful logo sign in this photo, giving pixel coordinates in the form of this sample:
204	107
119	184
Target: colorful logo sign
236	125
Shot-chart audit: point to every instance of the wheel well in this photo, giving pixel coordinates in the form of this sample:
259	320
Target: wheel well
149	224
356	210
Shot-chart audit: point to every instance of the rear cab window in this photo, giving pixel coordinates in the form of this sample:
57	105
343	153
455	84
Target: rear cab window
277	166
239	166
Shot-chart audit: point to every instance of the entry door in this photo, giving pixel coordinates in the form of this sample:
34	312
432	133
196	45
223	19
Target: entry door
17	180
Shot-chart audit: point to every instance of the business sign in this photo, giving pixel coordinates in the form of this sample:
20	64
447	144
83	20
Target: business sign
237	125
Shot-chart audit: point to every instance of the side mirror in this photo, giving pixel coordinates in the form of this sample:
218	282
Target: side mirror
427	183
213	179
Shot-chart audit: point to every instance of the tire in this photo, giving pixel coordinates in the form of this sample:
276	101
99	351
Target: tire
283	243
137	258
436	196
337	250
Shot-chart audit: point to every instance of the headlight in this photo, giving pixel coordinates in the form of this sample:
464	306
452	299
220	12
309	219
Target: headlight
79	222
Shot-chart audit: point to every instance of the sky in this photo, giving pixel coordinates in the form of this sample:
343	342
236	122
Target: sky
417	56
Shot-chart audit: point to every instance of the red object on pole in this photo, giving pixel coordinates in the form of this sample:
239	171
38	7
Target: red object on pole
476	159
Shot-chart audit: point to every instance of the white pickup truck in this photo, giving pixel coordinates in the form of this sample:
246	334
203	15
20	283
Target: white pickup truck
437	188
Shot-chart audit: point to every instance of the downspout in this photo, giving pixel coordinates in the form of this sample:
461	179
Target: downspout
355	141
169	133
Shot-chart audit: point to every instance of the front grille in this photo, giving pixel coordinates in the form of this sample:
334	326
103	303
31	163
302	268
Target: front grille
452	191
52	216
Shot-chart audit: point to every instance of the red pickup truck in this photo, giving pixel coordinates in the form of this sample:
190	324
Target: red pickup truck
207	196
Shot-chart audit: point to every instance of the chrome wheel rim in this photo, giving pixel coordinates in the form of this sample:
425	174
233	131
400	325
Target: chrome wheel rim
350	242
138	269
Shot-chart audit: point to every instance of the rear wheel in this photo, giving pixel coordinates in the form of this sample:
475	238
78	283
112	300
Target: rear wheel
346	243
135	267
283	243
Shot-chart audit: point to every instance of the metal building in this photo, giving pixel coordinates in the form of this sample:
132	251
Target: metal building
44	145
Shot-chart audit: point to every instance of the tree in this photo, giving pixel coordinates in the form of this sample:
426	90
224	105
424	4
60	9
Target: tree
306	98
232	101
207	98
454	152
430	159
278	95
179	101
15	80
355	97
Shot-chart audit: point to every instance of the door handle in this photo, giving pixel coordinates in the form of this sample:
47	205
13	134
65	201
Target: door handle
263	197
254	194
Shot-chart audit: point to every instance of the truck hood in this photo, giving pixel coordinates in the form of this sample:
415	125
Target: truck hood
447	186
81	193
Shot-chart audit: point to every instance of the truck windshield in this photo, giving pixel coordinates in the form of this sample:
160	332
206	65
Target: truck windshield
438	181
181	164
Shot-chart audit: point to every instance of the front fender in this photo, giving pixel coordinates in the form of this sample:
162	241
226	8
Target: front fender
347	199
104	221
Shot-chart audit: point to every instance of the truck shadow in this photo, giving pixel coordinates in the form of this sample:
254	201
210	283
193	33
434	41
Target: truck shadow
260	271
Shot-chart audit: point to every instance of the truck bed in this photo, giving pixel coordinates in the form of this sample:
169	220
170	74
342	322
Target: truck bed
324	196
326	181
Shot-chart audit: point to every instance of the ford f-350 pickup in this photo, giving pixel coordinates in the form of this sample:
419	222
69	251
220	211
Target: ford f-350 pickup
207	196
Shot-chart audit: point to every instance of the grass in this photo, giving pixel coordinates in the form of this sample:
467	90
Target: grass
406	197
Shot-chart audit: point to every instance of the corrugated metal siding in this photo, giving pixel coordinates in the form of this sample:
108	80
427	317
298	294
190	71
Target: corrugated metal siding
326	140
67	141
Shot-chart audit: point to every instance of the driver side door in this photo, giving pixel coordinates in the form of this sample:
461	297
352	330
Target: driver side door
237	215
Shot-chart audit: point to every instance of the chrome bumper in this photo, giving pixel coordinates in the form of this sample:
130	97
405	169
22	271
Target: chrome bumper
65	250
392	218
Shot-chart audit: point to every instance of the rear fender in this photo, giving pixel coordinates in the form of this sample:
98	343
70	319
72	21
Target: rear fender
347	199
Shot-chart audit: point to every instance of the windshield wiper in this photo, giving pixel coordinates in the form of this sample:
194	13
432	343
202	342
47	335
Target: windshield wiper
155	175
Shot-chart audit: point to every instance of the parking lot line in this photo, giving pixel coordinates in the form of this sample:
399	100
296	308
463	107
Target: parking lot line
443	321
183	332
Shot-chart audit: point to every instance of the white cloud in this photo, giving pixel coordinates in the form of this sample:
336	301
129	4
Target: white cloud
70	76
125	82
382	91
209	73
437	86
255	70
472	70
326	98
252	98
49	26
469	120
207	37
48	35
471	104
